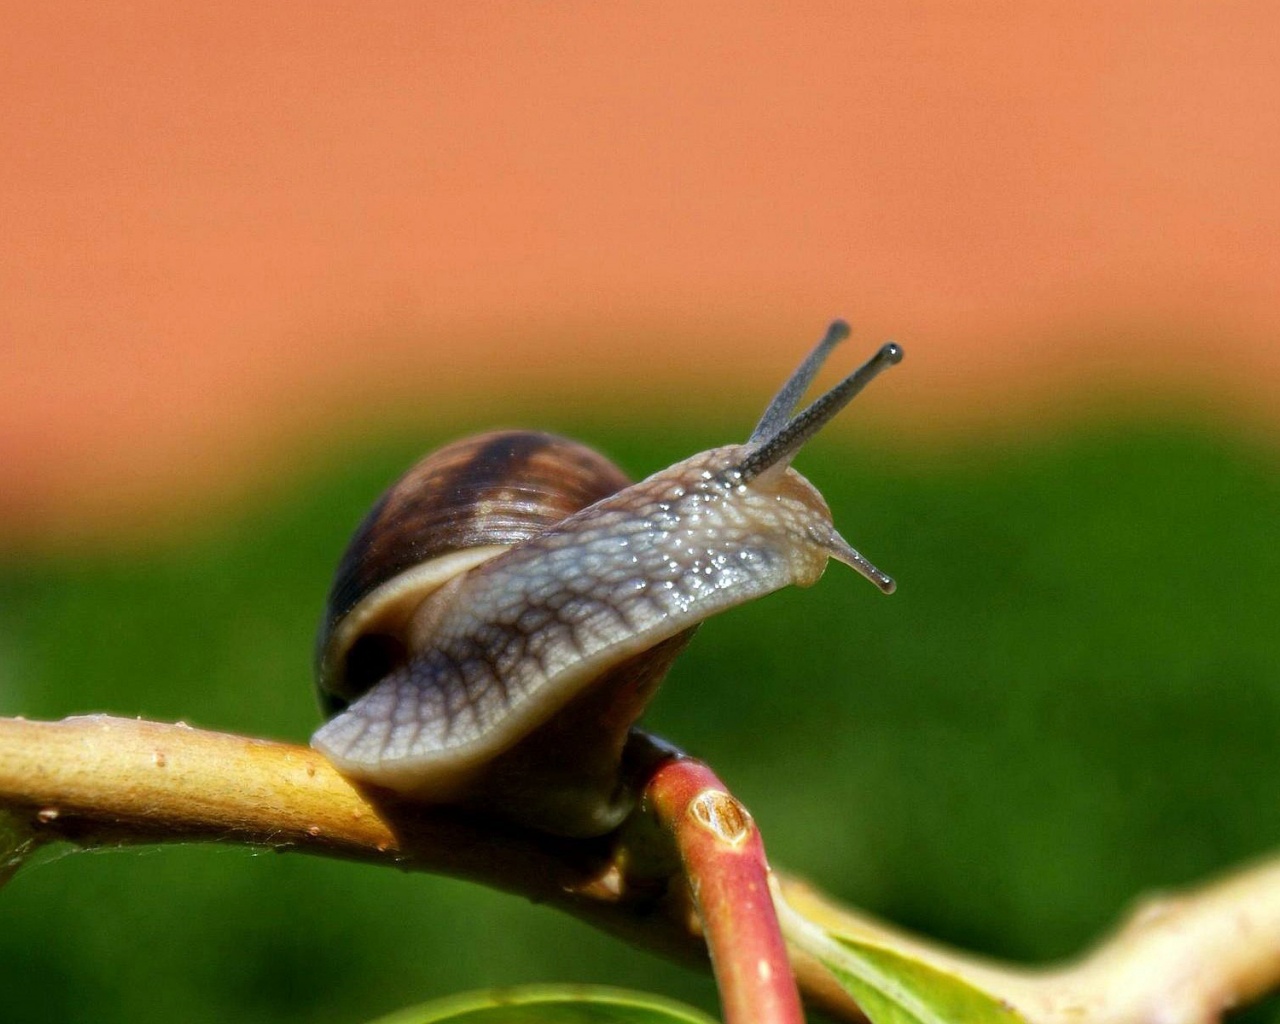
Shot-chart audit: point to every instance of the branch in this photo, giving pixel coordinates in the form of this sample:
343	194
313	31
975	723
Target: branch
107	781
103	781
724	860
1181	958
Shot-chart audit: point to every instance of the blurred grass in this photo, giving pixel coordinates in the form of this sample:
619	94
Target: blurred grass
1073	697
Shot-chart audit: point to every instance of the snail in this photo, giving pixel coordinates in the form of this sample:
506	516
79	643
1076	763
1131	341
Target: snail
506	610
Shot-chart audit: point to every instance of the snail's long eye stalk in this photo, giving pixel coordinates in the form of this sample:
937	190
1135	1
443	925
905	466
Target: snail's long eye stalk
780	446
788	397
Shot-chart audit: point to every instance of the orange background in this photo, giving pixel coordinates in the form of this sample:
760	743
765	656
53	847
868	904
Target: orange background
228	228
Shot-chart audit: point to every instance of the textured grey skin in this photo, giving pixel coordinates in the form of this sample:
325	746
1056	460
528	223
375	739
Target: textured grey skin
511	641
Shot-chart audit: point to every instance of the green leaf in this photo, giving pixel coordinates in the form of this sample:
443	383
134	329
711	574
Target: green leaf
894	989
16	844
550	1004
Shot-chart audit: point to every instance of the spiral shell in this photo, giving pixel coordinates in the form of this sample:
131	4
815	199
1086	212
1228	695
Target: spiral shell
457	507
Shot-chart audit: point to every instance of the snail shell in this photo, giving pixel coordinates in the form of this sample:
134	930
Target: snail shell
456	508
507	609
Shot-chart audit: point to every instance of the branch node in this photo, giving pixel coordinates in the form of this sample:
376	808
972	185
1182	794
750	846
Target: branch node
722	816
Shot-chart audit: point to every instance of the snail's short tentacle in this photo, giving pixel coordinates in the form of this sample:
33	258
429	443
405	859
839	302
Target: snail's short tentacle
842	551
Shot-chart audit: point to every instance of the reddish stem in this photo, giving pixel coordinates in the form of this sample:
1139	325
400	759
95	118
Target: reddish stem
728	874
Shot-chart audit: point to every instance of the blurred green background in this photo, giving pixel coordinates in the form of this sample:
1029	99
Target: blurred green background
1073	698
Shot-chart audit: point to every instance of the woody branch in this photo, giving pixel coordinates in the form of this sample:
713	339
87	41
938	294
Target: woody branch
98	781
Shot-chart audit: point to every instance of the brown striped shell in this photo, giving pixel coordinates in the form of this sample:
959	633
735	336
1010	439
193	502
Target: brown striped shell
457	507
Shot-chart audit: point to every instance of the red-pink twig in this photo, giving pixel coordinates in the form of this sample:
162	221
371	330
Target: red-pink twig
725	863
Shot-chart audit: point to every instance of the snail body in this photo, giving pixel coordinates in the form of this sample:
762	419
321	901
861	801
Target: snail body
509	607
